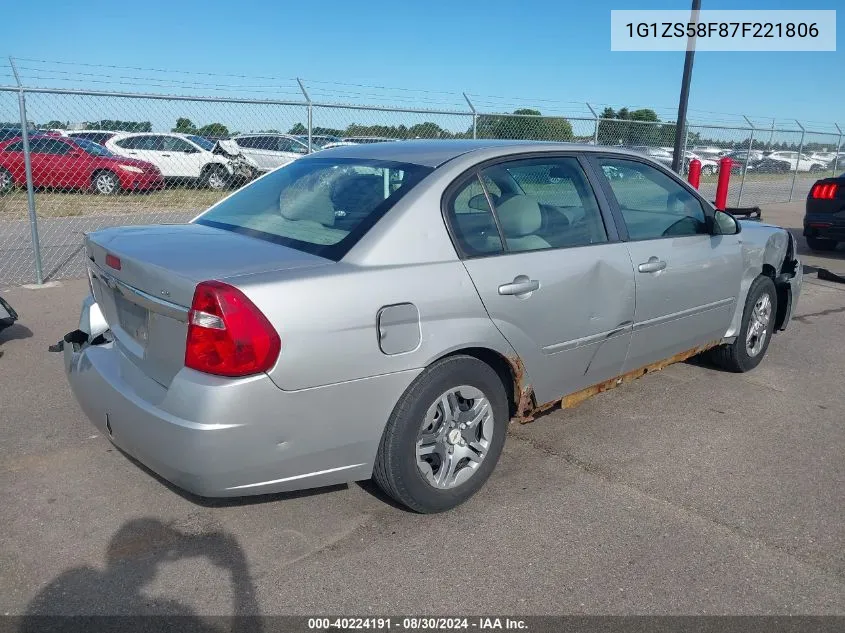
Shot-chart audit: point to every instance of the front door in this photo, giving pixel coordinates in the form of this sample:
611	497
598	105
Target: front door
687	280
553	279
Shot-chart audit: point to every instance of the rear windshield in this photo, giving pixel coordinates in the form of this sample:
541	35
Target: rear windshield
317	205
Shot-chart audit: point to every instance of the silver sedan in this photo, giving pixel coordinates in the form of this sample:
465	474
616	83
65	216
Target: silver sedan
383	311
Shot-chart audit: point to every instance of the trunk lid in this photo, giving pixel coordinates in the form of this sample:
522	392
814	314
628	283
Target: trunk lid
146	300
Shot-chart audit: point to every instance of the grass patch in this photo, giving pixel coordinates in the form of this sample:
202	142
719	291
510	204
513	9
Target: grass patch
57	204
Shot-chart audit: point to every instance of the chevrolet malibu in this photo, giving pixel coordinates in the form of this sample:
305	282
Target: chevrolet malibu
384	310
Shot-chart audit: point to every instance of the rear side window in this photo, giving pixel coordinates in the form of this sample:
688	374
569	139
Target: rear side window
320	206
537	203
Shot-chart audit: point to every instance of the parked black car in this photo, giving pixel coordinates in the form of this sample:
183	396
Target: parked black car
824	219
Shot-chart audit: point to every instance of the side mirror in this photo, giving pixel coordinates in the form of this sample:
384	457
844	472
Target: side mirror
725	224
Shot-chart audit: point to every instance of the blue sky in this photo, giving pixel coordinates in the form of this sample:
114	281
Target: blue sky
542	50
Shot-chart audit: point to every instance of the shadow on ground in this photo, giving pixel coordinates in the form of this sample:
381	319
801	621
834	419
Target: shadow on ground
134	556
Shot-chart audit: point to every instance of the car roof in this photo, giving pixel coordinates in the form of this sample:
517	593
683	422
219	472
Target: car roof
433	153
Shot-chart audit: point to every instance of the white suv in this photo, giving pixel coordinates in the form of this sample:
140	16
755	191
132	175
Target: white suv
186	157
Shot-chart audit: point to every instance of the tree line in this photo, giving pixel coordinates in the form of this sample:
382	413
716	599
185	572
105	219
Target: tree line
625	126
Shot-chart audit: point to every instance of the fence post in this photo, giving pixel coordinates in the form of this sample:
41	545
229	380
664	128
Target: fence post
30	190
595	122
684	148
474	117
747	158
798	160
310	112
836	154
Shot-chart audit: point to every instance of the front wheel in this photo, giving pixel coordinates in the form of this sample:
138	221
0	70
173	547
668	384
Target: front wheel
821	244
708	170
106	183
758	322
444	437
216	177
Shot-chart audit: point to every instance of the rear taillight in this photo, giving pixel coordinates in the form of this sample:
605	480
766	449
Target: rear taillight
824	191
227	334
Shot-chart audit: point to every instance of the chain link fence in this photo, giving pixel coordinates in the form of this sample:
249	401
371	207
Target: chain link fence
85	160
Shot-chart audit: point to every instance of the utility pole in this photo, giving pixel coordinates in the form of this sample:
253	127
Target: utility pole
681	125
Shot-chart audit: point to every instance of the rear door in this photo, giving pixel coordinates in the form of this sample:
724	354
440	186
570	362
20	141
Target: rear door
146	147
548	266
687	280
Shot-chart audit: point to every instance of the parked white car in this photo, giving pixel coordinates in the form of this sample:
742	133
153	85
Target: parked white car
802	161
708	165
266	152
186	157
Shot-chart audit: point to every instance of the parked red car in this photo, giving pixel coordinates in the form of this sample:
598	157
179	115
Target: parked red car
66	163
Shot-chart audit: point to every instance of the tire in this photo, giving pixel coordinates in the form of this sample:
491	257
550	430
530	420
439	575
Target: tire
105	183
7	181
708	170
409	476
737	357
821	244
815	168
215	177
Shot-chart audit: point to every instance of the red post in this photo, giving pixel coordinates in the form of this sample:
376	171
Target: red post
694	176
722	186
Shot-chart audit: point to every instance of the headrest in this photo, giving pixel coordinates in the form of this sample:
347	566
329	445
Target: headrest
307	205
519	215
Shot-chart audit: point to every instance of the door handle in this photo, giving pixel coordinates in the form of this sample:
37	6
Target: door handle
521	285
133	153
168	155
653	265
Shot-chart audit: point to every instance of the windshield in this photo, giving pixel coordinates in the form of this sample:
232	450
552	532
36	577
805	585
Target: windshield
90	147
320	206
202	142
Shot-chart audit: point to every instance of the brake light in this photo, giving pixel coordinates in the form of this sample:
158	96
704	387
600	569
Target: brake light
227	334
824	191
113	262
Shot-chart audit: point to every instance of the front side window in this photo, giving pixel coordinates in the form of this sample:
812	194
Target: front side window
92	148
203	142
652	204
292	146
17	146
176	144
320	206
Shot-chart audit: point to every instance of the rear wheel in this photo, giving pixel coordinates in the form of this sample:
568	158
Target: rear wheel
708	170
821	244
444	436
6	181
105	183
216	177
758	321
816	168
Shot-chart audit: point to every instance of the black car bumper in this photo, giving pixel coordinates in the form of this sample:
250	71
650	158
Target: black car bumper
825	225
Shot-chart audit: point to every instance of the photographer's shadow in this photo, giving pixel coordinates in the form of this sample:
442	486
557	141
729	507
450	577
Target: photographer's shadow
133	558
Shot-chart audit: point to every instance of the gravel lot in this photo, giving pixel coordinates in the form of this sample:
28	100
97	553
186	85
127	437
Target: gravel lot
688	491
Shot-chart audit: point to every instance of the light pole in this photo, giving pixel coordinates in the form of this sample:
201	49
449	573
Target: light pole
681	125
